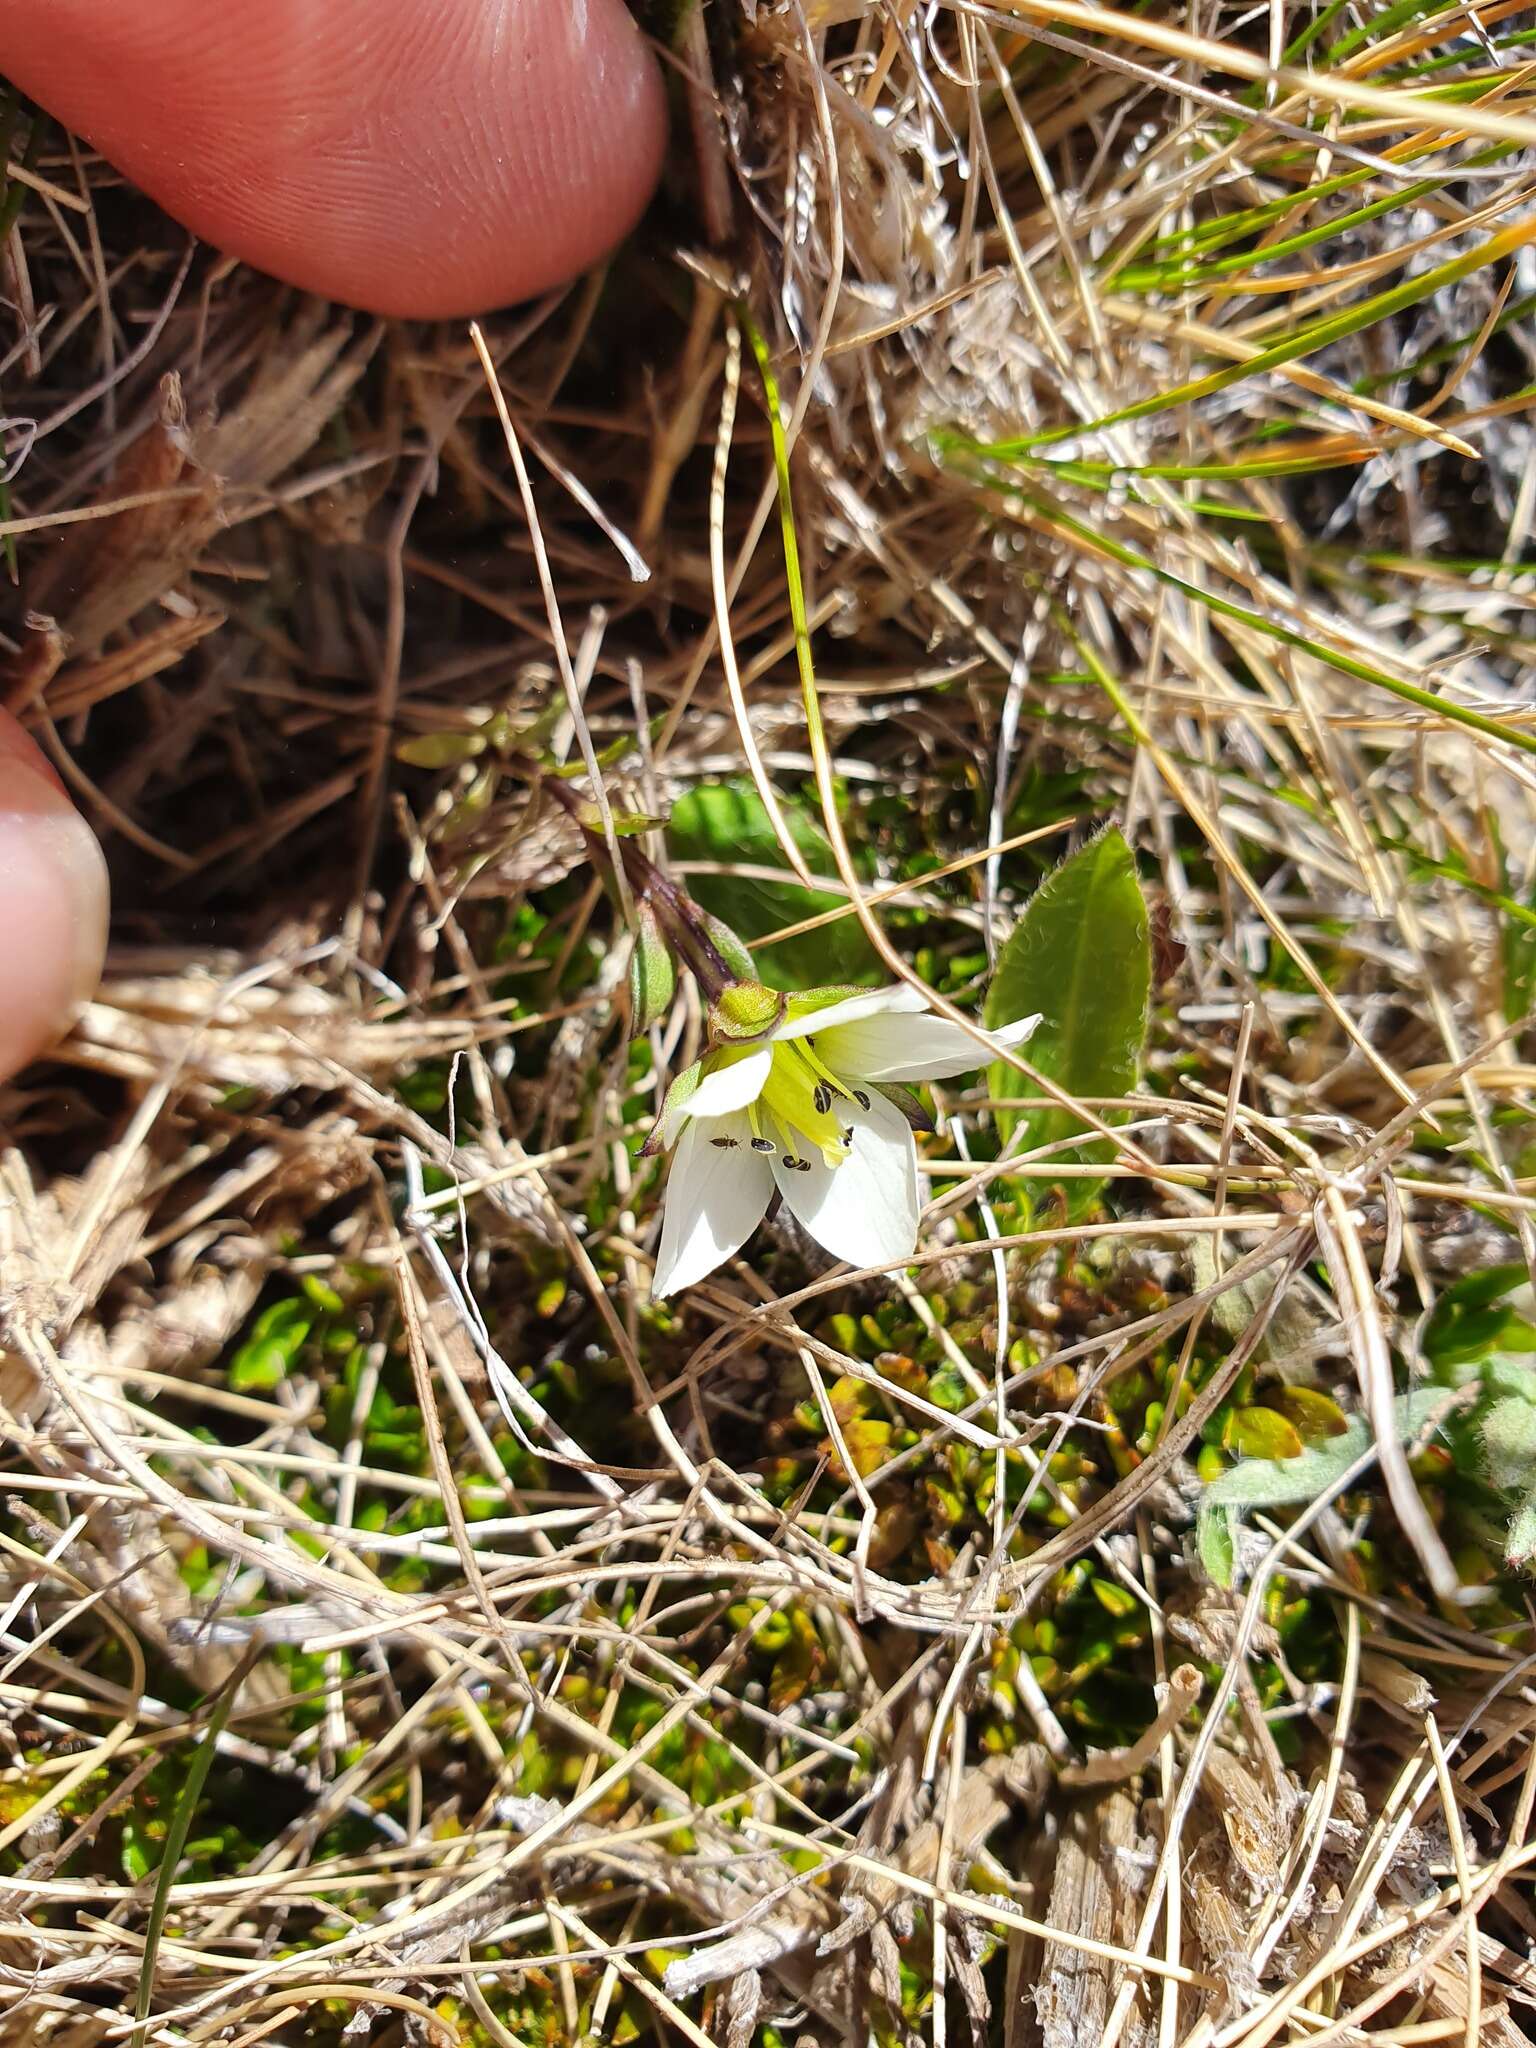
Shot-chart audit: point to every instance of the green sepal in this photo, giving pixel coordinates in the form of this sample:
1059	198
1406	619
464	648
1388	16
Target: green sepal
684	1087
727	945
744	1012
909	1104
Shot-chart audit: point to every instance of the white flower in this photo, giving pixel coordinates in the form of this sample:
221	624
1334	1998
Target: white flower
796	1108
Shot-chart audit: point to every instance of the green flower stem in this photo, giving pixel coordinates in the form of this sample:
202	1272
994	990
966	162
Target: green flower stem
692	935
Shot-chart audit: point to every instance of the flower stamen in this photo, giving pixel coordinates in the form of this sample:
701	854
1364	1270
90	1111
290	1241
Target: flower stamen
830	1084
798	1093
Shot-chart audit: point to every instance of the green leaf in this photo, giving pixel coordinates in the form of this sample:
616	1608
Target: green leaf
1511	1375
1115	1600
440	749
1474	1324
1520	1544
1080	955
1314	1416
1477	1290
258	1368
1509	1445
136	1859
1215	1540
1288	1482
1261	1433
1268	1483
277	1337
726	822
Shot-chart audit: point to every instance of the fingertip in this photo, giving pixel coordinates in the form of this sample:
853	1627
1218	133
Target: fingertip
416	161
53	904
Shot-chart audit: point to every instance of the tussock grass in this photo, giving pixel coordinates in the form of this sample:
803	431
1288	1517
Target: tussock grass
1084	414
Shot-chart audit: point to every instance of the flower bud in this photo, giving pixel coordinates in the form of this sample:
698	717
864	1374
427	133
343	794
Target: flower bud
652	976
743	1011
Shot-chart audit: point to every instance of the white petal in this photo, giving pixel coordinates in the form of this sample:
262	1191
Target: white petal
715	1199
730	1088
903	997
911	1048
866	1210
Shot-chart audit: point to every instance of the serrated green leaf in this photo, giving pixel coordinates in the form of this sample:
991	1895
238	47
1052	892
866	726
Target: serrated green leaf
1080	955
726	822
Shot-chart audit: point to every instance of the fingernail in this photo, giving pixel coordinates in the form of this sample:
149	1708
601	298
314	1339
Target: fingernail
53	904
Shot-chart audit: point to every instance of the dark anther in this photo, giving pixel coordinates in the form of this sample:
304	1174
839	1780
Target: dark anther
861	1098
762	1144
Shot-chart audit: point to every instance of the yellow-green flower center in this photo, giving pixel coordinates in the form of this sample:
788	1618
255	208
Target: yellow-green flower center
808	1101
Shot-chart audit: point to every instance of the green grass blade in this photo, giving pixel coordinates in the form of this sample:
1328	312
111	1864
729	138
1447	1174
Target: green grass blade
1308	340
176	1841
1172	277
1287	636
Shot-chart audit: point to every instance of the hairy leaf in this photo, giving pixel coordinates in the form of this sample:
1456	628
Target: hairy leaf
1288	1482
1509	1445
